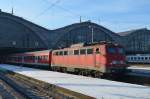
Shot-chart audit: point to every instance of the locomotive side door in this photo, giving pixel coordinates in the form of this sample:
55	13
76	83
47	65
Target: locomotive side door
97	57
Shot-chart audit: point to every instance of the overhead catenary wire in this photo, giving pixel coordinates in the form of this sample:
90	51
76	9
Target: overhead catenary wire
55	4
48	8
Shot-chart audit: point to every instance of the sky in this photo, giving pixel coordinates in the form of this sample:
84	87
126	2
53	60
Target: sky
115	15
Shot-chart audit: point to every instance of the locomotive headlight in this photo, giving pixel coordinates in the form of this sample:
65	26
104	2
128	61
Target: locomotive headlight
121	62
117	62
114	62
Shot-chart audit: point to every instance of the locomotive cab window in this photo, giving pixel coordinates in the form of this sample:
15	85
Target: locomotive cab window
121	51
112	50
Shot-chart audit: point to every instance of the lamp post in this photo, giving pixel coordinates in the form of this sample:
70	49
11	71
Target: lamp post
92	30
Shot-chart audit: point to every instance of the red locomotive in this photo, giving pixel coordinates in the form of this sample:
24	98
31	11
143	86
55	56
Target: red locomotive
86	59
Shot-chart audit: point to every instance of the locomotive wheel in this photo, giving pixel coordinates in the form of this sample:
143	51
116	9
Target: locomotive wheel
97	74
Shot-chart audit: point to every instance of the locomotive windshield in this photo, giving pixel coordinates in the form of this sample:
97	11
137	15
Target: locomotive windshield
112	50
115	50
121	51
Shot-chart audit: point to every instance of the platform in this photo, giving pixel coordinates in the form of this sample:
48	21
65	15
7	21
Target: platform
139	71
94	87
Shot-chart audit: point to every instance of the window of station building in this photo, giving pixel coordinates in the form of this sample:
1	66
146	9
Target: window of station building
90	51
65	52
76	52
36	43
82	51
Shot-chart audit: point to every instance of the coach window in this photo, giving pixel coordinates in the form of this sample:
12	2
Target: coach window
36	57
139	58
89	51
33	57
134	58
46	57
76	52
97	50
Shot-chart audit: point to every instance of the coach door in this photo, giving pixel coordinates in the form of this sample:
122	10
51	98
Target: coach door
36	59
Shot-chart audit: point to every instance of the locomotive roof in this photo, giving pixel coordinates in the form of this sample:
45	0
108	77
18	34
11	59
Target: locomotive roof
90	44
81	45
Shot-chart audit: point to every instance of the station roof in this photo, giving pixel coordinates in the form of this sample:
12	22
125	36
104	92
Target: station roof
126	33
45	35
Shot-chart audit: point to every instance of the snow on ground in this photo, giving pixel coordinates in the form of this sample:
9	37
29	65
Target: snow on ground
98	88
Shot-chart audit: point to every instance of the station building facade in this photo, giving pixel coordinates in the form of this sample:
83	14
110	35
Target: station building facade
20	34
136	41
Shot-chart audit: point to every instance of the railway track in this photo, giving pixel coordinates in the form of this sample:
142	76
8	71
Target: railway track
8	92
22	88
31	88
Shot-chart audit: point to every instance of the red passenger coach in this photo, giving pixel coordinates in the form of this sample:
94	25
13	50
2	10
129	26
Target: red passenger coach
91	58
40	59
